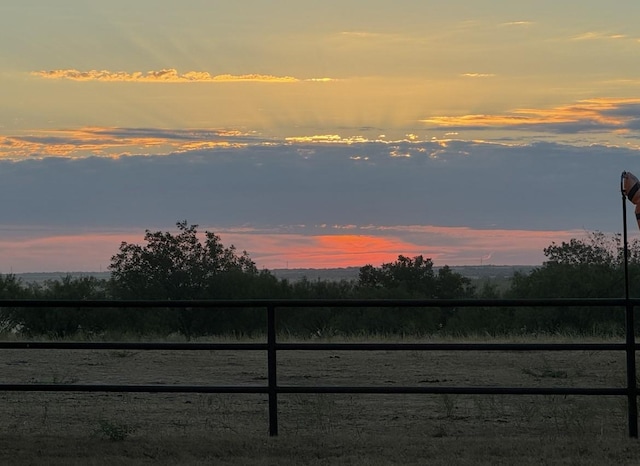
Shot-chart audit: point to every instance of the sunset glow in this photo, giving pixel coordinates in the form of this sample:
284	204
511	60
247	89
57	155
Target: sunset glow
474	247
278	251
312	135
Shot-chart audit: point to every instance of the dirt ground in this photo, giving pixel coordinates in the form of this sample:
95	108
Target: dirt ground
139	428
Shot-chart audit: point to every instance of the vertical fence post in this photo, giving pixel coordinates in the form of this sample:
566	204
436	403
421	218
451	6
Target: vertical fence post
630	339
271	369
631	373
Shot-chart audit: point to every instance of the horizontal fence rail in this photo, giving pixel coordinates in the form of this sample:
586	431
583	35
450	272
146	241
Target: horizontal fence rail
272	347
279	303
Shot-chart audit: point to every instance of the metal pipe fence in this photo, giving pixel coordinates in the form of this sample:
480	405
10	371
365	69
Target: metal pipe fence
272	389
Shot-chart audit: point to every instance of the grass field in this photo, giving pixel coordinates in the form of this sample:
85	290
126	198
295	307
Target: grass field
99	429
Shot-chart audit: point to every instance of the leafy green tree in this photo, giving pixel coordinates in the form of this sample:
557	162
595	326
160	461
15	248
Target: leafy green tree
591	267
580	268
596	249
175	266
450	285
11	287
415	278
412	278
316	321
183	267
61	322
404	278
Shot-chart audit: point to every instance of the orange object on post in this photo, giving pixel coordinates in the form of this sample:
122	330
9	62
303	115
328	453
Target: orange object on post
631	189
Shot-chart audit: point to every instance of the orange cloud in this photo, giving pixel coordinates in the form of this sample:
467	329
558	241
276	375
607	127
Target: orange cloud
105	141
166	76
15	147
315	138
591	112
328	138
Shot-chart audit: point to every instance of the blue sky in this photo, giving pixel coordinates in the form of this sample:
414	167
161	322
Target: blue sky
314	134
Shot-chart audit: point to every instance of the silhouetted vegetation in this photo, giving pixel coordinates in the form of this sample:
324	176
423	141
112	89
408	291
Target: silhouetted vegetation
183	266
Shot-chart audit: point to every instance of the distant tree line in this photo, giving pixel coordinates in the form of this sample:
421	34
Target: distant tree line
183	266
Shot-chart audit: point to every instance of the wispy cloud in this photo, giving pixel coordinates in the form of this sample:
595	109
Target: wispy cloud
594	35
378	39
518	23
327	138
113	141
167	76
116	141
477	75
363	34
593	115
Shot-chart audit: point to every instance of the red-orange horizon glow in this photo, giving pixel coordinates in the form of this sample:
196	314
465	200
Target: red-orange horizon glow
444	245
329	251
92	251
88	252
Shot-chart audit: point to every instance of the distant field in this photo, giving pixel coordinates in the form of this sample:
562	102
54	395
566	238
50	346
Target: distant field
101	429
497	273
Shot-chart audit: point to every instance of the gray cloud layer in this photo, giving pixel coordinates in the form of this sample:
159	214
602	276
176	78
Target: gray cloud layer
539	186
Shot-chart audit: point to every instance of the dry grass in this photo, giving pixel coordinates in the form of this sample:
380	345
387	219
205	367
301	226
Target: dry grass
100	429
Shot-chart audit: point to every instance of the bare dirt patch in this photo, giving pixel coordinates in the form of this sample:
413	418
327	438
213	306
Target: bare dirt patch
139	428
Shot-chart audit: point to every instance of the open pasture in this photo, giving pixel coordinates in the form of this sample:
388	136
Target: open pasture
138	428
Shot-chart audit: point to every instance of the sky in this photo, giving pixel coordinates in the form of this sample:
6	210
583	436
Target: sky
315	134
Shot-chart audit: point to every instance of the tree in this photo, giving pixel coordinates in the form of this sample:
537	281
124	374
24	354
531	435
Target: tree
596	249
412	278
580	268
406	277
11	287
182	267
590	267
175	266
61	322
415	278
450	285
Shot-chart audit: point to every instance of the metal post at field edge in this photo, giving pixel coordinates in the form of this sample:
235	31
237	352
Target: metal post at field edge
272	373
632	391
